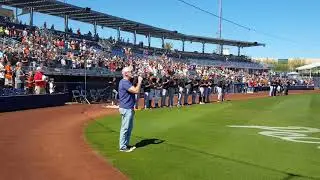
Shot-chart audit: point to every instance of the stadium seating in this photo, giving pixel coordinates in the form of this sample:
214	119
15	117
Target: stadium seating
118	49
68	54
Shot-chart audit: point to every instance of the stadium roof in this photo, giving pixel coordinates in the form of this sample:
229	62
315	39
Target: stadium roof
86	15
309	66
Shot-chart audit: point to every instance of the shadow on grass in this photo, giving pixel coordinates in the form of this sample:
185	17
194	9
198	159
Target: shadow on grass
147	142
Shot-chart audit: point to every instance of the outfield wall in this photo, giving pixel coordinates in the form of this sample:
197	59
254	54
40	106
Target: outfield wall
316	81
23	102
240	88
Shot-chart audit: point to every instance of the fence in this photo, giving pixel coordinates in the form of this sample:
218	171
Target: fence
103	87
94	71
67	87
316	81
8	41
242	88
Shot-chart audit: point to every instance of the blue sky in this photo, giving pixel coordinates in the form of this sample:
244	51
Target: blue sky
295	22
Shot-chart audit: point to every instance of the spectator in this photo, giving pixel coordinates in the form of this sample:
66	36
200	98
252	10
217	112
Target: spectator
2	72
8	75
1	31
19	76
30	83
51	86
40	81
24	33
54	49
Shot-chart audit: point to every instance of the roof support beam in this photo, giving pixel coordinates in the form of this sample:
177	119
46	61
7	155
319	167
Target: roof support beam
134	37
82	14
117	25
183	45
64	12
149	40
40	6
123	28
51	9
95	28
110	22
31	16
89	18
162	40
16	16
203	46
239	53
119	33
66	23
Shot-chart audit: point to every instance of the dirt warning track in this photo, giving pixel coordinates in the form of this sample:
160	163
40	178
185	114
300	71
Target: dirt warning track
49	144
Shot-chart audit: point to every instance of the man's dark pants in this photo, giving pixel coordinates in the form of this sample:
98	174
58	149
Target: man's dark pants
171	92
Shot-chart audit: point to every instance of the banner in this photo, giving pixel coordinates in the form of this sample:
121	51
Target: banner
6	12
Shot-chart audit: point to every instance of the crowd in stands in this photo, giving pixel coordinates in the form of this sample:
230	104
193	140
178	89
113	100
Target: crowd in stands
34	50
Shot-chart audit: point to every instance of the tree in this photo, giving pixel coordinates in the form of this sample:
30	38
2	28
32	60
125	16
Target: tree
269	61
279	67
276	66
168	46
294	63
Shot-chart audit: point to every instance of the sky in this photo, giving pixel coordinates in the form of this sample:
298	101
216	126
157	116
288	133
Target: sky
289	28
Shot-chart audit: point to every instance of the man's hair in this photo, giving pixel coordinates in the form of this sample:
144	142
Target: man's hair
125	70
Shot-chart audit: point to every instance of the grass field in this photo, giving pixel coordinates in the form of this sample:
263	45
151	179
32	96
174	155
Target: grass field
197	143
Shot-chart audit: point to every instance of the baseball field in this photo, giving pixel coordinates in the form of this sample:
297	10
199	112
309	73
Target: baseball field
268	138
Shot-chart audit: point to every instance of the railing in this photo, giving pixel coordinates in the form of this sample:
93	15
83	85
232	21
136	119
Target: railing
95	72
316	81
228	64
105	44
5	41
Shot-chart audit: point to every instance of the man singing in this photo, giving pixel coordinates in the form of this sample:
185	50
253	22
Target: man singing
126	107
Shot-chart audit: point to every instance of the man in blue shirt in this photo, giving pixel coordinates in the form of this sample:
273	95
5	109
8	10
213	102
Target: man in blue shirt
126	107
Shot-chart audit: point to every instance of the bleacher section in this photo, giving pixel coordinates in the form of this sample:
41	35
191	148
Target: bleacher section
62	62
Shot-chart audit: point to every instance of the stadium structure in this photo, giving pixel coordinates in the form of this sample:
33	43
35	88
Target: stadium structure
117	47
77	61
86	15
193	120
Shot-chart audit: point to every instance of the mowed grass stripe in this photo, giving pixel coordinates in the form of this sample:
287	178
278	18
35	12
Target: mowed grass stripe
174	166
200	145
282	174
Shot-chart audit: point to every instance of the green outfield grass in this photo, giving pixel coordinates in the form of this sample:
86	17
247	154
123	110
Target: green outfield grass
197	143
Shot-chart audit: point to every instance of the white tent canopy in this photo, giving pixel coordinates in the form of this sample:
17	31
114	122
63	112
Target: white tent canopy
309	66
293	73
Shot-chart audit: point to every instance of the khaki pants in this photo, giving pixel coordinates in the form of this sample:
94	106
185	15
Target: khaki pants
8	82
39	90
